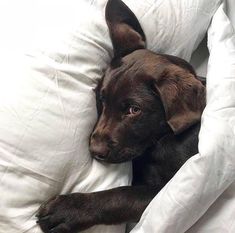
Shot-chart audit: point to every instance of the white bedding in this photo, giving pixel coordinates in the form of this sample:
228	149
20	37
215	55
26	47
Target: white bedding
52	54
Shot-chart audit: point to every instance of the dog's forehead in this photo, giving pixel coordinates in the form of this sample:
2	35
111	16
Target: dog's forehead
122	83
123	80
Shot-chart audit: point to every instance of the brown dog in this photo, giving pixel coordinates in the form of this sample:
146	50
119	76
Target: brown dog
149	109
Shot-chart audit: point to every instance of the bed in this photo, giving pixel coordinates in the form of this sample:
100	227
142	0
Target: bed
52	55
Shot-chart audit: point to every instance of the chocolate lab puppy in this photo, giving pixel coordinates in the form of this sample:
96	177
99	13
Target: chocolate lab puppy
149	109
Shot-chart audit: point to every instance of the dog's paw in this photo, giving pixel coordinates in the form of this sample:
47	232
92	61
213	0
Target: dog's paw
65	214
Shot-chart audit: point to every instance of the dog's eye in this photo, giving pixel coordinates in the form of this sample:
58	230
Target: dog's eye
134	110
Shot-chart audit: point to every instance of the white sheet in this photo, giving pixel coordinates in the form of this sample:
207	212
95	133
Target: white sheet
201	197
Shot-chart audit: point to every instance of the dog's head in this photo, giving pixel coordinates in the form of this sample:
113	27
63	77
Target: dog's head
142	95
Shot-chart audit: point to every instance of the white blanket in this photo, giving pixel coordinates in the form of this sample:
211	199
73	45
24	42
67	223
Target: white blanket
201	196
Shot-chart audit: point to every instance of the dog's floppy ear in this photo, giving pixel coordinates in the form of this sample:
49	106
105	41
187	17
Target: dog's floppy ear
124	28
183	97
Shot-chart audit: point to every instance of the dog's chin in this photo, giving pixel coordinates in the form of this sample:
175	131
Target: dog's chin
119	157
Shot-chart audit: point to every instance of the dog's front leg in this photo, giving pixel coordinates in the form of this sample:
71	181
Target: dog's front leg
79	211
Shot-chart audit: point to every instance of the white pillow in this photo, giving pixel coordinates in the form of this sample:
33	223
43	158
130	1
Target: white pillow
174	26
53	53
